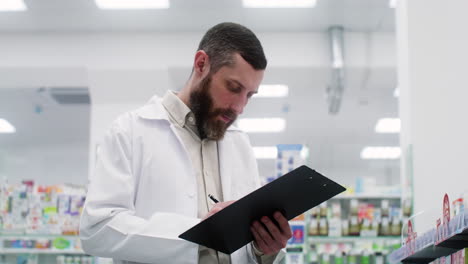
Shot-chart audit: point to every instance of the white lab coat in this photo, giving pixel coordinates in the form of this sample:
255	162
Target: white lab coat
143	193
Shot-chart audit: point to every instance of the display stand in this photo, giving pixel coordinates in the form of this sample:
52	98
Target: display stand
449	237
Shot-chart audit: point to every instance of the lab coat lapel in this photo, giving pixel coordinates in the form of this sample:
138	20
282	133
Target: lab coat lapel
225	148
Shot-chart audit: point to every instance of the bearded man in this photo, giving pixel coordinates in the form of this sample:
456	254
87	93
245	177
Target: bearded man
157	165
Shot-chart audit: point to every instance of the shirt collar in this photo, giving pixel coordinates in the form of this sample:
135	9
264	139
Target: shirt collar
177	109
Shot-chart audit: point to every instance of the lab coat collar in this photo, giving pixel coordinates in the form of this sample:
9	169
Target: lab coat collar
154	110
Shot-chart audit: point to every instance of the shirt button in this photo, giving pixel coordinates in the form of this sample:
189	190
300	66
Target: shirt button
190	119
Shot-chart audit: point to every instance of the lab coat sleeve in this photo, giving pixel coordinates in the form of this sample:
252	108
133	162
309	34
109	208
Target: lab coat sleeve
109	226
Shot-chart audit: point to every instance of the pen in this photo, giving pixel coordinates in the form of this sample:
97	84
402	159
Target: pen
213	199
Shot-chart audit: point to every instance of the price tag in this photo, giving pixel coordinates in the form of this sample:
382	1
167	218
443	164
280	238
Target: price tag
446	209
442	228
438	231
410	239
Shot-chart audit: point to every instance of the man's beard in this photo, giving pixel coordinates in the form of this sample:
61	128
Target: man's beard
207	119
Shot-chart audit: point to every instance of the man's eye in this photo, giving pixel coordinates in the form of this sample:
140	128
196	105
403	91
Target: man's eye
235	89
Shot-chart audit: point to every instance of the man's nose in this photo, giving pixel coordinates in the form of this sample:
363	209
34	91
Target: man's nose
238	106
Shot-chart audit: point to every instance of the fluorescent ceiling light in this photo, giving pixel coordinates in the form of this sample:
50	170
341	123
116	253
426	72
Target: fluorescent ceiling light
278	3
12	5
337	64
262	125
388	125
265	152
381	153
304	152
392	3
132	4
6	127
396	93
272	90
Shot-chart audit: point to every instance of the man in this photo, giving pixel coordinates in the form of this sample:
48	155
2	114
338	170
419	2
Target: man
158	164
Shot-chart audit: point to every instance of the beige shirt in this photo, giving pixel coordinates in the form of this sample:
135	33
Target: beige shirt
204	157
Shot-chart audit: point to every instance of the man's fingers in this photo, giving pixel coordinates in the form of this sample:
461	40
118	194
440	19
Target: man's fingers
218	207
283	224
260	243
277	235
264	234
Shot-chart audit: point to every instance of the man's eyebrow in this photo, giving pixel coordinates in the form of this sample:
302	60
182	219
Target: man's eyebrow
241	85
238	83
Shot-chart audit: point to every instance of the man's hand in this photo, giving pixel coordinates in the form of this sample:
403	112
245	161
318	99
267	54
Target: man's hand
217	207
275	237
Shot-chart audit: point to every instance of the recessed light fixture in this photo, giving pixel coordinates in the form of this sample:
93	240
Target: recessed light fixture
12	5
381	153
396	92
132	4
392	3
272	90
262	125
279	3
388	125
265	152
6	127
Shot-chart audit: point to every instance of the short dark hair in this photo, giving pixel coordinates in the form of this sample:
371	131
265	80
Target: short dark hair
223	40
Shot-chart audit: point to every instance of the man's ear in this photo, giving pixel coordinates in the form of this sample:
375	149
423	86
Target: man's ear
201	64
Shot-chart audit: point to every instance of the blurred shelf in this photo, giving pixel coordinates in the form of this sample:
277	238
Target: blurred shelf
445	248
25	237
39	251
453	243
347	239
457	241
34	236
366	196
428	254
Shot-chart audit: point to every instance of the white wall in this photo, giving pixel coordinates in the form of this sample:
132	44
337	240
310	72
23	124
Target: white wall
432	74
49	164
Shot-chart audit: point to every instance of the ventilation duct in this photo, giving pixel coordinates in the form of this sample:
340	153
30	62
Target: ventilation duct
66	95
334	93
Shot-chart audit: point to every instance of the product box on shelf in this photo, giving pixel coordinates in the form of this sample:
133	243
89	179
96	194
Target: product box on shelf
362	219
29	209
297	234
459	257
294	255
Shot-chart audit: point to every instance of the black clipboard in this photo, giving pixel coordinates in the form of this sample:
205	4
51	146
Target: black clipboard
292	194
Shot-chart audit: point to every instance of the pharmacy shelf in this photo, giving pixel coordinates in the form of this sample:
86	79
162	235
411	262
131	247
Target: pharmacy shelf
10	236
33	236
367	196
431	252
457	241
428	254
40	251
349	239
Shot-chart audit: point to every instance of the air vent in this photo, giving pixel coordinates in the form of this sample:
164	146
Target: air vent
70	95
335	88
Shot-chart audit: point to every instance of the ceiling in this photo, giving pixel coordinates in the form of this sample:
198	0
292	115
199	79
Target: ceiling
334	141
186	15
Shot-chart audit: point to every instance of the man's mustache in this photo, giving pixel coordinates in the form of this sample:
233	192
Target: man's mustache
229	113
